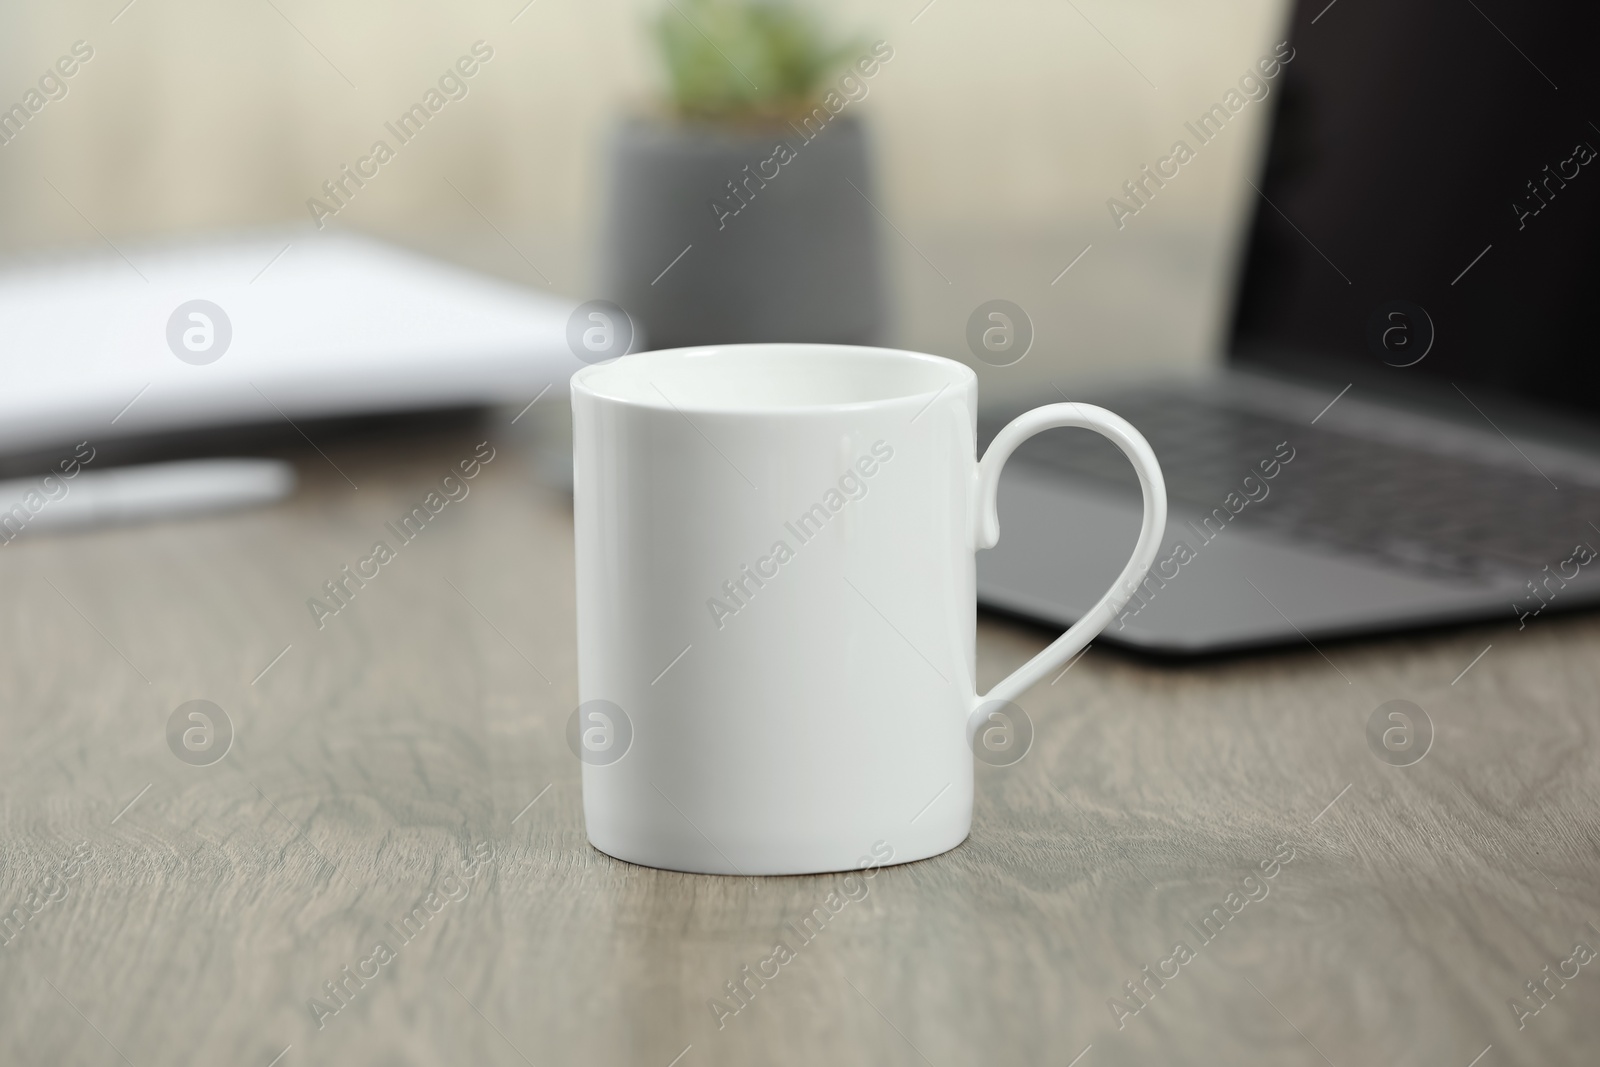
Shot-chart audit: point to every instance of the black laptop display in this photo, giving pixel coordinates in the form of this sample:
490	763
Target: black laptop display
1424	157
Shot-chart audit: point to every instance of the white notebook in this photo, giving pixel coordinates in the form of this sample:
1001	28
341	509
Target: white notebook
335	325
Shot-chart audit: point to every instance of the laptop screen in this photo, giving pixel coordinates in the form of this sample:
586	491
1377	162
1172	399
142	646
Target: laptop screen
1428	217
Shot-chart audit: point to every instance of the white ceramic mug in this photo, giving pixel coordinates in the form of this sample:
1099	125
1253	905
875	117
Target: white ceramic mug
776	604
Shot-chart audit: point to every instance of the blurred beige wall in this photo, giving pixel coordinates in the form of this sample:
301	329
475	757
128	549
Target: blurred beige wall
1002	128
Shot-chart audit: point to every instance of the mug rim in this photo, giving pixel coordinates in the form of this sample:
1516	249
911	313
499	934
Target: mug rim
956	374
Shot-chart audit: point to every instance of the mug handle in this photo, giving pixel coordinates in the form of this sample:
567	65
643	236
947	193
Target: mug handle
1133	445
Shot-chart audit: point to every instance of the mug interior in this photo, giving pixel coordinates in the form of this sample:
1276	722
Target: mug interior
769	377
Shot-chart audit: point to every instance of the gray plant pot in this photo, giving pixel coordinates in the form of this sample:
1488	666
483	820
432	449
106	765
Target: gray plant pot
797	261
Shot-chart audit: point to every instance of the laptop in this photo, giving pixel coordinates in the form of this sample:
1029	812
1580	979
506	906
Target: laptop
1405	431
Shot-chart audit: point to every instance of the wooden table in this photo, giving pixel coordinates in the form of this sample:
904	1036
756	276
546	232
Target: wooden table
422	728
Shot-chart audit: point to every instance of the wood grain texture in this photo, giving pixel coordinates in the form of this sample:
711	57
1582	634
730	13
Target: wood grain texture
422	720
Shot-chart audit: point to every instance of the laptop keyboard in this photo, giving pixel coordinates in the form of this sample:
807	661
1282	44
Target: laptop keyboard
1400	506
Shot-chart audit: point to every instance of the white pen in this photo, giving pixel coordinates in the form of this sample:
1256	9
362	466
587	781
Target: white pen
140	493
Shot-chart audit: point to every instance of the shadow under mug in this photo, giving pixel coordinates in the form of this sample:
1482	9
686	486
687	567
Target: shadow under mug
776	601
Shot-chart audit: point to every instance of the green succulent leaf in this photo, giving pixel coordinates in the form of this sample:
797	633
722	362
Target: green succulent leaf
733	60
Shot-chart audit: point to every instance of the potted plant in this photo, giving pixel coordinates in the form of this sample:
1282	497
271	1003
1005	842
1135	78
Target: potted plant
740	211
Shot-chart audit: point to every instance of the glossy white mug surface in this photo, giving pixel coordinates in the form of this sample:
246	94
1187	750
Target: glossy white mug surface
776	606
